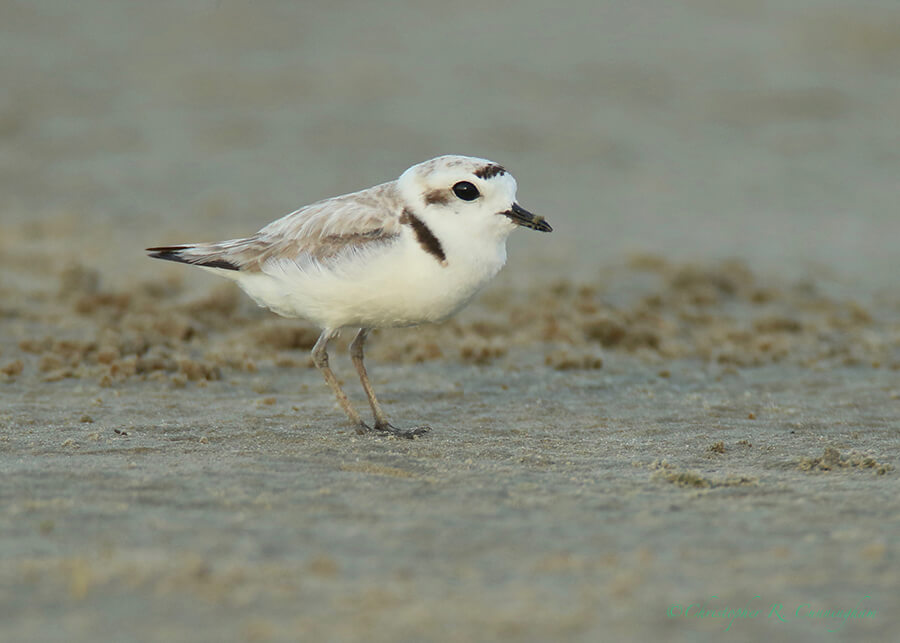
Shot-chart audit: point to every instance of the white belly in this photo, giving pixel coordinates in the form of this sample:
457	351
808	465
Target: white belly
395	285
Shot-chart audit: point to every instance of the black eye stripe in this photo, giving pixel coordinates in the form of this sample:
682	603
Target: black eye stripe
466	191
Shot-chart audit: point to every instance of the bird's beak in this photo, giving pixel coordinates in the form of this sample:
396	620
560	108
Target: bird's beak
521	216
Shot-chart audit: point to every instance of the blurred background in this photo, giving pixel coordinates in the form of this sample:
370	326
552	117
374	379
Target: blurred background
761	129
643	433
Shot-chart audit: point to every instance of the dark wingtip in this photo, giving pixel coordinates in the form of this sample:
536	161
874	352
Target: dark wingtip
166	249
169	253
173	253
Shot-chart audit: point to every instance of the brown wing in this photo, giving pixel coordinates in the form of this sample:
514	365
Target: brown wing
317	233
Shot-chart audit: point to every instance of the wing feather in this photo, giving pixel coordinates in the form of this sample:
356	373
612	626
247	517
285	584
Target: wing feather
319	233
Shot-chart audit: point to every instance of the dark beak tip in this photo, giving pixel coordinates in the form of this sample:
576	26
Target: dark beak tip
526	219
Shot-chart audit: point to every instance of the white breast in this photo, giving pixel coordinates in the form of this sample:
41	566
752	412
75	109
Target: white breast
397	284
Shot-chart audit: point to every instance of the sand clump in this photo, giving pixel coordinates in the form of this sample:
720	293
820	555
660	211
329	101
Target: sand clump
691	479
13	368
717	313
833	460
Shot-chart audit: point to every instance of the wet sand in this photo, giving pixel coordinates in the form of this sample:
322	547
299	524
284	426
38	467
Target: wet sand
688	394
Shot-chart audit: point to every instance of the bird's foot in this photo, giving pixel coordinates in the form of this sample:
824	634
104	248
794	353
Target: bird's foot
390	429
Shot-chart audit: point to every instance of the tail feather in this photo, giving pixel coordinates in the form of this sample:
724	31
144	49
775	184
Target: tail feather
192	255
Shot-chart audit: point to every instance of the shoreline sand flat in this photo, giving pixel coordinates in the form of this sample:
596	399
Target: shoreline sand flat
685	400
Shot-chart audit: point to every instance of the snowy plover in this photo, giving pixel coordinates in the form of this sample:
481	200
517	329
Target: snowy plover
414	250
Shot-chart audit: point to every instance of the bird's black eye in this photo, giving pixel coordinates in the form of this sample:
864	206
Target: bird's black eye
466	191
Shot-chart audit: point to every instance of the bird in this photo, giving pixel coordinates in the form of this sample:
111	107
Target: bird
413	250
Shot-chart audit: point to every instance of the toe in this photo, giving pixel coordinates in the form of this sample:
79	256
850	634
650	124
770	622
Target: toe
386	427
411	433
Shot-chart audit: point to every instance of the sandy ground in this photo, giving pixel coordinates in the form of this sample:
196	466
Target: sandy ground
688	394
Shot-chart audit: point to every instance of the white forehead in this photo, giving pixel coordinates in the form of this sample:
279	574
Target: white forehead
444	171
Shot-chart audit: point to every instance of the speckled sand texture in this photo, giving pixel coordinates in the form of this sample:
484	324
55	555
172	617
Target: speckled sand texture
688	393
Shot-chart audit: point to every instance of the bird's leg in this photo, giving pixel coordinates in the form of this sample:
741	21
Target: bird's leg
356	353
381	423
320	359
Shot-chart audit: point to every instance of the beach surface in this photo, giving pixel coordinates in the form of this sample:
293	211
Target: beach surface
683	401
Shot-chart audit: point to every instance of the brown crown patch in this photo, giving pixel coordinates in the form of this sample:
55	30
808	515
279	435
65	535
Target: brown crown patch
490	171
